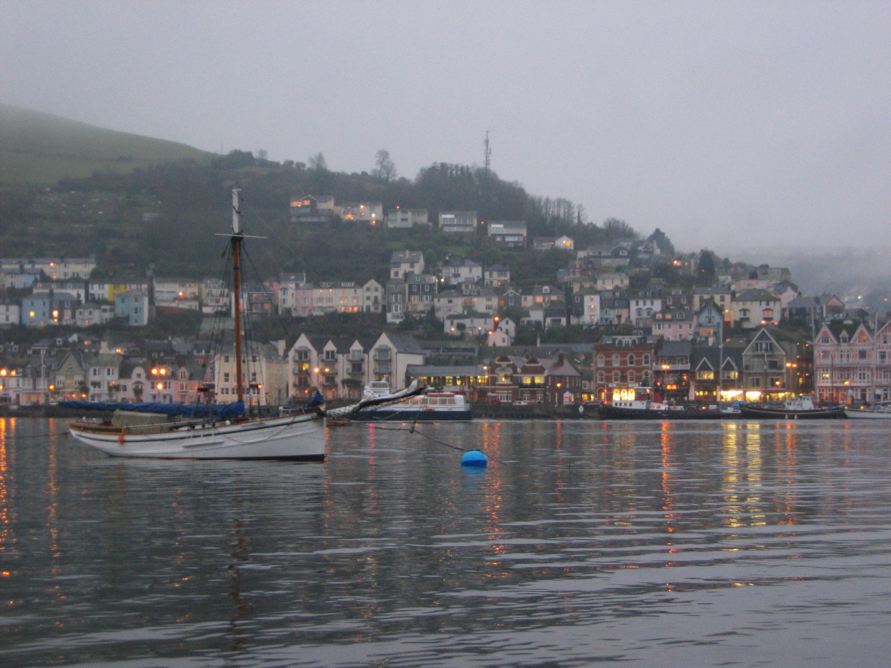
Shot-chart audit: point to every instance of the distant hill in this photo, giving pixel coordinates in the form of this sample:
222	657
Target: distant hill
40	149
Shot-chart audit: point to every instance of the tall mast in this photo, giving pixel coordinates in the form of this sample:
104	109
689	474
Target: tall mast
237	238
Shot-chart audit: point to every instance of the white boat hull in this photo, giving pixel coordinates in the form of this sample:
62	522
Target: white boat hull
292	438
854	414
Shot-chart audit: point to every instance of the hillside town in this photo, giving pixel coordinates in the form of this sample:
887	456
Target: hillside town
694	329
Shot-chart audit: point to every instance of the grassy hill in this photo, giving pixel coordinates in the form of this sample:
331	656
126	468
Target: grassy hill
40	149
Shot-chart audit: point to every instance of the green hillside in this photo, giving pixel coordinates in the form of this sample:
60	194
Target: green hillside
41	149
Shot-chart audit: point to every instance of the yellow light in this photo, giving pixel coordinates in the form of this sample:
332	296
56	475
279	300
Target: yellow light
154	372
163	372
159	386
31	314
624	394
3	372
52	388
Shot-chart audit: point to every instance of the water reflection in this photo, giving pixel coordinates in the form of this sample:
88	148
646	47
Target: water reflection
7	518
638	537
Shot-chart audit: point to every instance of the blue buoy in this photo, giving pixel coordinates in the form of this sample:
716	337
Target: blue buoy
474	458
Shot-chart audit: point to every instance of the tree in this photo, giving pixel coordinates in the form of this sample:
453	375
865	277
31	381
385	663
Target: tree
705	269
384	167
661	240
317	162
618	229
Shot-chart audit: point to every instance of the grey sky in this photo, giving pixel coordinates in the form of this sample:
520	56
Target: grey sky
725	124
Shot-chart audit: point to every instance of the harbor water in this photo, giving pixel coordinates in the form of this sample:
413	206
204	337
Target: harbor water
582	542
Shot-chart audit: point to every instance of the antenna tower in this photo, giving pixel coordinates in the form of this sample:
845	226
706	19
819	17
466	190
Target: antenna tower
487	152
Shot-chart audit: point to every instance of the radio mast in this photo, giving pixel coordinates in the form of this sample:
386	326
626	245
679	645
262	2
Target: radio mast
487	152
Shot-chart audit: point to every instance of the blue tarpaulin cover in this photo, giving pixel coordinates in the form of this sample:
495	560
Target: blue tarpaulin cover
218	411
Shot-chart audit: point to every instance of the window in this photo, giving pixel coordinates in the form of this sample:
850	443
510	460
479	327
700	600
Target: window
756	382
616	360
226	377
646	360
631	359
861	354
632	377
601	360
617	376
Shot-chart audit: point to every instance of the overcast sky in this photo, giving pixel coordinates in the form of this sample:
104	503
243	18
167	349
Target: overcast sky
724	124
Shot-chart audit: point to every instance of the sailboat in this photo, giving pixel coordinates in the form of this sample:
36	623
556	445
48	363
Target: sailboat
217	432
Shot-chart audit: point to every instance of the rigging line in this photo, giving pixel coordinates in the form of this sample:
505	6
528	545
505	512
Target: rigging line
278	314
252	216
252	349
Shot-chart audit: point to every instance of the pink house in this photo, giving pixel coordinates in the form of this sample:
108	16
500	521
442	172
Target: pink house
674	324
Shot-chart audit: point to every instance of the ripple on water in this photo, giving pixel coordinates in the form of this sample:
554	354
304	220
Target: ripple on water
694	544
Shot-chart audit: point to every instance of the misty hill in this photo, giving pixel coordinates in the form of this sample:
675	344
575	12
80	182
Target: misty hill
40	149
165	216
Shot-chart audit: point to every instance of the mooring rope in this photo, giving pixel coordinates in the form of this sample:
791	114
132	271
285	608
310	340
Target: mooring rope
451	446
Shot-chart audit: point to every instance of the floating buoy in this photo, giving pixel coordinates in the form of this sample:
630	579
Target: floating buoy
474	458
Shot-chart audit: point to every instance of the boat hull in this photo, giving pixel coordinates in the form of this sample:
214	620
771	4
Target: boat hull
608	412
853	414
300	438
395	415
763	413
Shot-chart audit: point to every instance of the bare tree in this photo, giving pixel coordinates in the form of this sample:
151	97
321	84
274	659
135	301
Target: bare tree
384	168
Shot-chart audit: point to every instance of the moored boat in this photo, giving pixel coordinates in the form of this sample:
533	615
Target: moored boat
800	408
633	409
300	436
654	410
644	403
875	412
429	406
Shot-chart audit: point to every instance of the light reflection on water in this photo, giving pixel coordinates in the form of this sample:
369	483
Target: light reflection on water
707	542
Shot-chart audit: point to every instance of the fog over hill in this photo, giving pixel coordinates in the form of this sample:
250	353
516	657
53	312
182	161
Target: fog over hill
846	271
